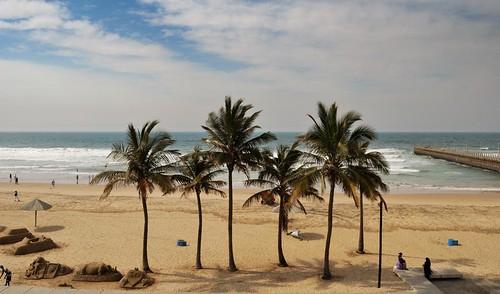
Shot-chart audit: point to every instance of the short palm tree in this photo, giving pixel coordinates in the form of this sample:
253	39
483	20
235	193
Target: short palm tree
330	140
148	160
233	144
369	165
197	173
284	176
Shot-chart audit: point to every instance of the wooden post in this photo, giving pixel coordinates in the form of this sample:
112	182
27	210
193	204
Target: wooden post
380	246
35	218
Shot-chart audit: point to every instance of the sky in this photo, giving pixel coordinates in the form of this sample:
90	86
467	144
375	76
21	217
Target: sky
405	65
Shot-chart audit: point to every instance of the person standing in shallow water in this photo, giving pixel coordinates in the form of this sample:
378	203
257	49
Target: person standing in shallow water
10	177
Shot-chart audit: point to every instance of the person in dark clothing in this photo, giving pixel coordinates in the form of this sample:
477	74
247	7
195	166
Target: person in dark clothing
2	271
8	277
10	177
16	180
401	263
427	268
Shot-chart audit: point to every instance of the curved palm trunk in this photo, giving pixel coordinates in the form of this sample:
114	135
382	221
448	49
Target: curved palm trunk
200	224
326	262
232	265
361	242
145	263
281	256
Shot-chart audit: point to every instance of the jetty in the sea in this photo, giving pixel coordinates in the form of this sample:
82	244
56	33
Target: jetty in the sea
486	160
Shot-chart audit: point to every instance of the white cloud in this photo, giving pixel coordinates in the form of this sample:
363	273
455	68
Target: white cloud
390	60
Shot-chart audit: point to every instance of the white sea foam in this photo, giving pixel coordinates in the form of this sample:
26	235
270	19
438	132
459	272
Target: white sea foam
53	154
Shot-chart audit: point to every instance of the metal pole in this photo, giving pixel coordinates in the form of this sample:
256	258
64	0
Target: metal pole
380	247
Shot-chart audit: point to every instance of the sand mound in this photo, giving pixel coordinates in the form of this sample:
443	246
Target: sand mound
15	235
33	245
43	269
97	272
136	279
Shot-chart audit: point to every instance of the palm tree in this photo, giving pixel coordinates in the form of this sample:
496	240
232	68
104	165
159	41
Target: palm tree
232	141
285	177
197	173
331	141
370	184
148	159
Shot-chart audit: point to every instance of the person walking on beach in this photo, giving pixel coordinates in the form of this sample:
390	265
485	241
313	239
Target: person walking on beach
53	183
2	271
16	179
8	277
16	198
10	177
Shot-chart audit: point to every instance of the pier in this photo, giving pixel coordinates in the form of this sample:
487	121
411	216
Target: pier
485	160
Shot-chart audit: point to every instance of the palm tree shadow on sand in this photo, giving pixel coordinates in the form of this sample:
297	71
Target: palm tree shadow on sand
219	280
47	229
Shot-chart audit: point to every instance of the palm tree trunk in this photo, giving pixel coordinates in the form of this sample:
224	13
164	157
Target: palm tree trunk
281	256
200	224
232	264
326	262
361	243
145	263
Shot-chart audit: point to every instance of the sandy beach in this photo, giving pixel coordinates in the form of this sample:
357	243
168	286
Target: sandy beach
418	224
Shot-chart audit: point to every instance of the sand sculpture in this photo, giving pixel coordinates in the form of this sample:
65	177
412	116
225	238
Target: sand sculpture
14	236
136	279
97	272
36	244
43	269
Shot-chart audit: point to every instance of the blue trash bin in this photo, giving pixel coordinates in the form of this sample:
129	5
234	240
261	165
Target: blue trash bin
181	243
452	242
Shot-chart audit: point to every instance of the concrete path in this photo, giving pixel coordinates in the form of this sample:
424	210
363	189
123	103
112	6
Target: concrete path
416	280
41	290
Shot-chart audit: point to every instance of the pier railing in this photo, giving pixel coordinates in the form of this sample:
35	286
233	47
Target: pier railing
486	160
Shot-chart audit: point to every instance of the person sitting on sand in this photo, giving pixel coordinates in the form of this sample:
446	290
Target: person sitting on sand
427	268
401	263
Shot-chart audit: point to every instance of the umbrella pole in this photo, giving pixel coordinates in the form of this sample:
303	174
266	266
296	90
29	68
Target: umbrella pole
35	218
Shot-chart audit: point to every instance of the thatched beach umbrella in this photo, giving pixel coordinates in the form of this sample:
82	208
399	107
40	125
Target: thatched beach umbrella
36	205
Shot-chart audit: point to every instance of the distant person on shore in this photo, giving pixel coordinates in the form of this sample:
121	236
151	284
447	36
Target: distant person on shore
427	268
401	263
16	179
77	179
10	177
8	277
16	198
53	183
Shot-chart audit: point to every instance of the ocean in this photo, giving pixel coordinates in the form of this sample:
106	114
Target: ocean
42	157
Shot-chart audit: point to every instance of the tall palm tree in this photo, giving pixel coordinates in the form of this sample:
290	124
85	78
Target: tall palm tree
233	143
148	160
198	173
285	177
330	140
369	165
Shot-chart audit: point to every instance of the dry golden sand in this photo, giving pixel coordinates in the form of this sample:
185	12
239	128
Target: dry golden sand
111	231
